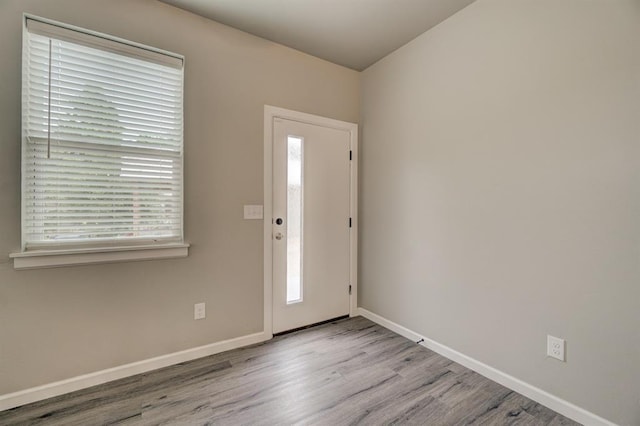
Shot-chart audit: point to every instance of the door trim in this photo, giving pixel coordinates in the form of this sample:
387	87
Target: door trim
270	113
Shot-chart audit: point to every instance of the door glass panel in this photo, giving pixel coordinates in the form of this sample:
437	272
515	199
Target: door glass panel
294	219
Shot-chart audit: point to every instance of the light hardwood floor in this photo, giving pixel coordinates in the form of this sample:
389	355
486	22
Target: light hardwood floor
347	372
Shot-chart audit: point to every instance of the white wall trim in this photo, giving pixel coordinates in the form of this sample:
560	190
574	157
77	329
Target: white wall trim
85	256
270	113
267	215
49	390
553	402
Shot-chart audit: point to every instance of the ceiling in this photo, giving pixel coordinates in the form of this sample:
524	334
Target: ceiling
353	33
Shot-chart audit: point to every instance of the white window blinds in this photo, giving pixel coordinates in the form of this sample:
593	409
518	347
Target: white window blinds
102	140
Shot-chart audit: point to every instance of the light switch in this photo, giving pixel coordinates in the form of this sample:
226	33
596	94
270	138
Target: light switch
253	212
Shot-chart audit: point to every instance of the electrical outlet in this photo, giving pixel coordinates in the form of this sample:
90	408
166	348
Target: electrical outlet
555	347
199	311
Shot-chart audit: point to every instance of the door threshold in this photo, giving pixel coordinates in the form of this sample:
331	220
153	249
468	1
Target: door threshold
293	330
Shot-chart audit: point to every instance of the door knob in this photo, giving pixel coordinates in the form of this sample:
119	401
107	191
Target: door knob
279	221
278	235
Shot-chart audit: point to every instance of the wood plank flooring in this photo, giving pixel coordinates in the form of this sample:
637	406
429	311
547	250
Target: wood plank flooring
343	373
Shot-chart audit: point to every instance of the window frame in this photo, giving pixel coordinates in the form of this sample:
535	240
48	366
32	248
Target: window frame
112	250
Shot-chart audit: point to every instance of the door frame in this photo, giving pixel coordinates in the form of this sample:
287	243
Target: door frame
271	113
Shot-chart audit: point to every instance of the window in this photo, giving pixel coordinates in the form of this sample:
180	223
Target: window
102	141
295	205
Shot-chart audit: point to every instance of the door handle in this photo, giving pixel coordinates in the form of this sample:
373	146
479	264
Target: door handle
278	235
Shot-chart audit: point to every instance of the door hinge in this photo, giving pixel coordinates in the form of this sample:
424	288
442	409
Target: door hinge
350	155
349	288
349	222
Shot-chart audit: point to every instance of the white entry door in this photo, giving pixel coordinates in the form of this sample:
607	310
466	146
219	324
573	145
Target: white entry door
311	223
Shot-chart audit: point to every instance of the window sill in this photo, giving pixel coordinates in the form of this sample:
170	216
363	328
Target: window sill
58	258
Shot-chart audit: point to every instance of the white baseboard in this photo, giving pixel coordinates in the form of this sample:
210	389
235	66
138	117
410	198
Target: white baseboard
49	390
559	405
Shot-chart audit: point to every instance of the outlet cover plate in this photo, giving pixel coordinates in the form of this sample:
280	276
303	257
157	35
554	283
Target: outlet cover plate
199	311
555	347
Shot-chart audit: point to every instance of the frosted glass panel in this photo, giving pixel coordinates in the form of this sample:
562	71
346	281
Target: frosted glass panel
294	219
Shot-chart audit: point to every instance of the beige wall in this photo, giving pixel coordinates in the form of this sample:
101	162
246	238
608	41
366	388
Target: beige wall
500	192
59	323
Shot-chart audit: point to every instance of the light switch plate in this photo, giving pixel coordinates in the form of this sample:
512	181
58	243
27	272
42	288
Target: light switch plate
253	212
